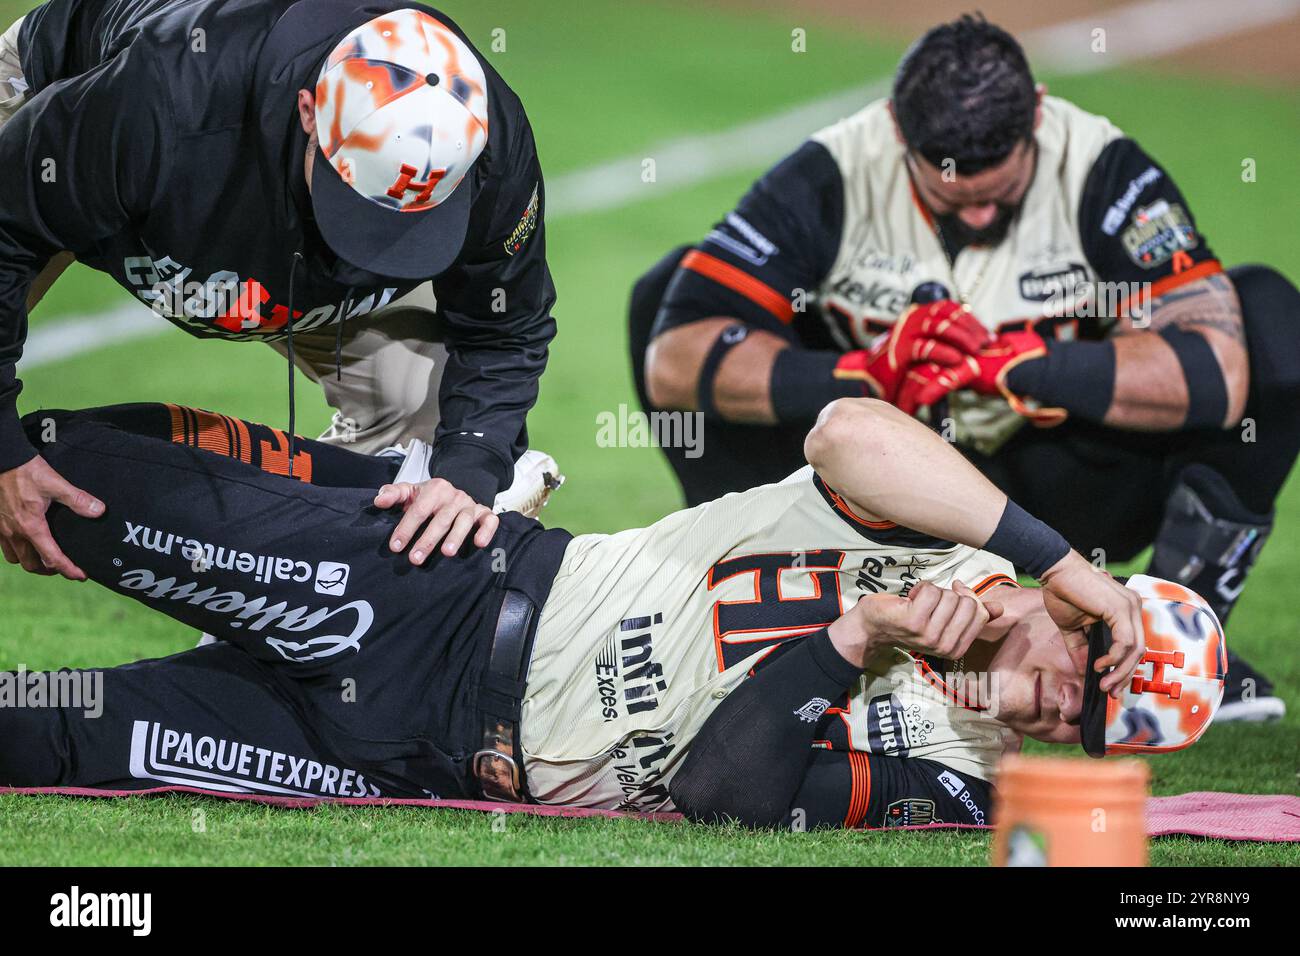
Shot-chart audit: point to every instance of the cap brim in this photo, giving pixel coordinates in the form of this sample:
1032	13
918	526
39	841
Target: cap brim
1092	719
400	245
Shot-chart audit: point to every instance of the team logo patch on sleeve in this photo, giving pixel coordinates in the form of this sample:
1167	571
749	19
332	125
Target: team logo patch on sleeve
911	812
812	711
1157	232
526	227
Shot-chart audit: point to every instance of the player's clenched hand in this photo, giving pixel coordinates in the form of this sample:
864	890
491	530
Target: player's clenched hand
25	495
450	515
995	361
928	382
930	620
942	333
1077	594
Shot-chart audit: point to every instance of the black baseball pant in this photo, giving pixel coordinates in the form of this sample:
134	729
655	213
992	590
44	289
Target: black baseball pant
342	669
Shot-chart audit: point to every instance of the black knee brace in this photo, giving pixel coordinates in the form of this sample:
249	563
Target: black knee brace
1208	540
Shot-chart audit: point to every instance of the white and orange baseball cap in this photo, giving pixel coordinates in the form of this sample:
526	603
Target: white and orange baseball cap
401	117
1178	687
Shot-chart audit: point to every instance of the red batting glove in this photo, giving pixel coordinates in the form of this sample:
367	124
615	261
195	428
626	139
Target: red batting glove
944	333
927	382
993	363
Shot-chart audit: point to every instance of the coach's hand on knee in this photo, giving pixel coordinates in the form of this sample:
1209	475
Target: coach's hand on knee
25	495
450	515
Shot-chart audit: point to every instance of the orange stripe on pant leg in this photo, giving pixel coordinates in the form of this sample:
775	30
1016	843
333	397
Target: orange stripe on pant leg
860	795
178	424
244	444
212	433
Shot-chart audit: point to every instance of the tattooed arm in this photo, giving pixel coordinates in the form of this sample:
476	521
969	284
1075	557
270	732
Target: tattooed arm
1150	387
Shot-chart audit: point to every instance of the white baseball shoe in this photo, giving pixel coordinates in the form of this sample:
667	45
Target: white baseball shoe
536	476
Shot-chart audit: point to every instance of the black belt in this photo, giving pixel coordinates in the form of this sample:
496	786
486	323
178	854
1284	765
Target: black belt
498	764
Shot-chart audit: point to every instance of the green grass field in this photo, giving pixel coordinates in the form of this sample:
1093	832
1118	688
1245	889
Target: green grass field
599	82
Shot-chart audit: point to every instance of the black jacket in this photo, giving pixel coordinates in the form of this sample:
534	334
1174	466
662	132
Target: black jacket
162	145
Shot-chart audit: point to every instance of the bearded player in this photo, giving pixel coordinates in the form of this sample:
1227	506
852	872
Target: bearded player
785	653
1028	277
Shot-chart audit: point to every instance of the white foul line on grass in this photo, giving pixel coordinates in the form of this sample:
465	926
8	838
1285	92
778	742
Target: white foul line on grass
1136	32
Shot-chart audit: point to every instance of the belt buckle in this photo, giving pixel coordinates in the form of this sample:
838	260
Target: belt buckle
498	775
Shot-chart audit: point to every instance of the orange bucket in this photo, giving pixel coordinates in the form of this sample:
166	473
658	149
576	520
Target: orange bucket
1057	811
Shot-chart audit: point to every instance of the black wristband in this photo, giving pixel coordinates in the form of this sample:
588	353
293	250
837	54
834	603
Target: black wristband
727	340
1025	541
1076	376
803	383
1207	392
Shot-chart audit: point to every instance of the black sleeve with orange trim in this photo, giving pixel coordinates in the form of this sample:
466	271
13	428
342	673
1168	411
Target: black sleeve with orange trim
1136	226
754	759
749	760
856	790
783	236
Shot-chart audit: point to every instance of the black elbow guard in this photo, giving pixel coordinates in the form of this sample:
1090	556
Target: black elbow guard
1207	392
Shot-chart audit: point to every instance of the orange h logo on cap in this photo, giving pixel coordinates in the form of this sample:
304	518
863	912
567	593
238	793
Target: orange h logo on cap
406	182
1157	684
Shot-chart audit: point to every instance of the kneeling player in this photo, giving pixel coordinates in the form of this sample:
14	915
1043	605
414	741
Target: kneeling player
787	650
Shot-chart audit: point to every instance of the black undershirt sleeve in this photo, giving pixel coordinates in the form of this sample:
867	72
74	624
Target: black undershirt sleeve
754	760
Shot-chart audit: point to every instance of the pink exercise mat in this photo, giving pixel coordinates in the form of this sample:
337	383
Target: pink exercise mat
1224	816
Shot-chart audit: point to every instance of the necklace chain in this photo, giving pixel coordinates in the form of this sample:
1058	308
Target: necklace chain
964	297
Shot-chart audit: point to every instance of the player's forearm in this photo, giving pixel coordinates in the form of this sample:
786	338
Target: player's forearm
1150	393
888	466
743	374
1185	367
15	450
741	382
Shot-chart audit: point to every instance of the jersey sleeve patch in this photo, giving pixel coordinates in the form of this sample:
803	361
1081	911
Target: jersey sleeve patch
1135	225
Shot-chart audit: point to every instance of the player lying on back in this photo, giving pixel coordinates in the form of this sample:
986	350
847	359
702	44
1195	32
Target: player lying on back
776	653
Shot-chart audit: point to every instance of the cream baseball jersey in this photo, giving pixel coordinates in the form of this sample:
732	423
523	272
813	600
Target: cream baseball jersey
646	631
830	246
